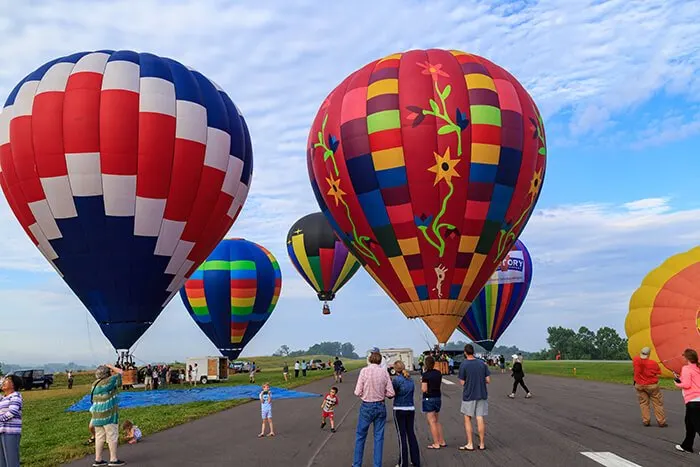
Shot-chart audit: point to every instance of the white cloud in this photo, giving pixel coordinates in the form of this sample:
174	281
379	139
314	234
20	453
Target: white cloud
673	126
586	63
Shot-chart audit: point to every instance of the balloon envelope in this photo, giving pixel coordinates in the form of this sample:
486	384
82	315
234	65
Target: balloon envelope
664	311
125	169
499	301
319	256
428	164
232	294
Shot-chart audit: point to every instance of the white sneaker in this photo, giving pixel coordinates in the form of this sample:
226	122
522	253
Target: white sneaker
512	396
528	396
680	448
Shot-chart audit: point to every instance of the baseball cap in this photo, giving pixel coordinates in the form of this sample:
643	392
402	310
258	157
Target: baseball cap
375	350
645	352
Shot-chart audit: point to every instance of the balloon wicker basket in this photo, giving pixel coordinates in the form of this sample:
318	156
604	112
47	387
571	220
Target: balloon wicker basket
442	367
326	309
130	377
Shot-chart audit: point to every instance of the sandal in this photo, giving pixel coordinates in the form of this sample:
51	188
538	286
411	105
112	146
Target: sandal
89	442
271	434
482	448
466	448
261	435
433	446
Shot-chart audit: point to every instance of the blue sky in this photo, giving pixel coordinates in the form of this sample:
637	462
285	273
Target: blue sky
618	83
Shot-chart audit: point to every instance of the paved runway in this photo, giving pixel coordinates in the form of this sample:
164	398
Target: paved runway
564	419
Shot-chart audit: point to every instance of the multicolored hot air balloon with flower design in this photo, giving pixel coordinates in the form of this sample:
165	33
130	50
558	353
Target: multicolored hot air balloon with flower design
320	257
125	169
499	301
428	165
232	294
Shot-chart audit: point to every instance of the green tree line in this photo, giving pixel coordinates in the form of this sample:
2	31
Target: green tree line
344	350
604	344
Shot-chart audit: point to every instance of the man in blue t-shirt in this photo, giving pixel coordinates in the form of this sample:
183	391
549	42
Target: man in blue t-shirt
474	375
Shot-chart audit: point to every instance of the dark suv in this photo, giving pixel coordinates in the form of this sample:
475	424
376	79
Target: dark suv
34	379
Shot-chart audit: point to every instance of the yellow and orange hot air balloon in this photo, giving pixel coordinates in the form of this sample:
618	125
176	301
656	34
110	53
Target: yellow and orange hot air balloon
663	312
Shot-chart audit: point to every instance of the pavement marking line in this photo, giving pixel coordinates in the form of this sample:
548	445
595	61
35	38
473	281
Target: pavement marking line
337	425
447	381
608	459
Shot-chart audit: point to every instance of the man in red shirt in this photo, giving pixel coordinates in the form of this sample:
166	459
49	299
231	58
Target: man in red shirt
646	382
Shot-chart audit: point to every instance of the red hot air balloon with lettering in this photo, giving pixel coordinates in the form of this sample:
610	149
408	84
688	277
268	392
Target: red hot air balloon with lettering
428	165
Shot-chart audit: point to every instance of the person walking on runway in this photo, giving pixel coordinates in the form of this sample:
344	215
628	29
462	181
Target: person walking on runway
518	375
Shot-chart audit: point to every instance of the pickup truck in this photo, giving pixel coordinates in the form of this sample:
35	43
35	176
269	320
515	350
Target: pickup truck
34	379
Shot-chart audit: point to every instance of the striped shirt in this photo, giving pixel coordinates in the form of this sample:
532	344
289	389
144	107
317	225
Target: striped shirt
374	384
104	409
11	414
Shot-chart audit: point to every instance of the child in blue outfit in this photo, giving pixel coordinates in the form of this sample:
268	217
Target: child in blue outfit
266	409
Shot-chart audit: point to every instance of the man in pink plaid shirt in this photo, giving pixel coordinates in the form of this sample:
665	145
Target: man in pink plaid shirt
373	386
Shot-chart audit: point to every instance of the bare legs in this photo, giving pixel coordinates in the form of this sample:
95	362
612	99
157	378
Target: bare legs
481	426
435	430
262	429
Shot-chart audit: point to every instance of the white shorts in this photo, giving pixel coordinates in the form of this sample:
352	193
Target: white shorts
108	433
478	408
266	412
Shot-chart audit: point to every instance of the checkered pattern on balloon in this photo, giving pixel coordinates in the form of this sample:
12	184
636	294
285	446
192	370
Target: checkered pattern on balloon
428	165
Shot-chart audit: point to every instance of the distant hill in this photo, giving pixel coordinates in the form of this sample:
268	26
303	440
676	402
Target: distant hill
47	367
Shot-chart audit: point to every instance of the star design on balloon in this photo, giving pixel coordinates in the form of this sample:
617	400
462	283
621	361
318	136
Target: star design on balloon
444	167
297	231
536	183
335	191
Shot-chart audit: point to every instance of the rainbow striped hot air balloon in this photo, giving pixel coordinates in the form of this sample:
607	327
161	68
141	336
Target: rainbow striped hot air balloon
499	301
664	311
232	294
320	257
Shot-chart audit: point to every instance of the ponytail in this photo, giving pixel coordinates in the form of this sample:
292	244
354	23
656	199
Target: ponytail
400	368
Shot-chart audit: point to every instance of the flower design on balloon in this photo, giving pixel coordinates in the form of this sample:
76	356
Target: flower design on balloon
329	147
361	243
433	70
444	170
335	191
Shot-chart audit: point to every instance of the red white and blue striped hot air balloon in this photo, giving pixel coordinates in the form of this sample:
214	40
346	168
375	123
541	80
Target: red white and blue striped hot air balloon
125	169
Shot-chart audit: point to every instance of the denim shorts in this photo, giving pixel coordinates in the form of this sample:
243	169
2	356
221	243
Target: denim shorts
432	404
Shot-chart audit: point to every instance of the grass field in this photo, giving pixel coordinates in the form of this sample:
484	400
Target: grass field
611	372
52	436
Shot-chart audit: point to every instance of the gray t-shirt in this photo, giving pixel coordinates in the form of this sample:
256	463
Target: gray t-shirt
474	373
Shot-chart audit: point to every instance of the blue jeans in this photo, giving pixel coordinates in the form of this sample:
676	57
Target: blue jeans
9	450
370	413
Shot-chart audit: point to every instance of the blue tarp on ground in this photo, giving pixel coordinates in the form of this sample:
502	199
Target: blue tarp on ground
137	398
